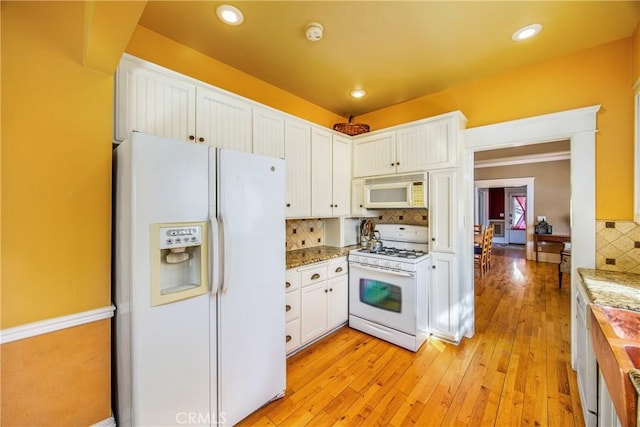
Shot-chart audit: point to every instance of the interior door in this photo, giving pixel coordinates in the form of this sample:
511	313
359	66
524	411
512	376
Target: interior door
517	217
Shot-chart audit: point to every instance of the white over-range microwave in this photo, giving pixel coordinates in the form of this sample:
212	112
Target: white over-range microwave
396	191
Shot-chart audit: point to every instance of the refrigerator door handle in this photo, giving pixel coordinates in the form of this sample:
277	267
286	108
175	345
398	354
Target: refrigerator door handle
222	280
214	257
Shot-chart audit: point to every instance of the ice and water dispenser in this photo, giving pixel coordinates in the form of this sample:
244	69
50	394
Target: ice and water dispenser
179	261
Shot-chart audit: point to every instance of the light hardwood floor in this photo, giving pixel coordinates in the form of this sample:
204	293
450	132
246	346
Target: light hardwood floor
515	371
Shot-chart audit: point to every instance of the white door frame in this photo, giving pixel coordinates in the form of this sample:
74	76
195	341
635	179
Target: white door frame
579	126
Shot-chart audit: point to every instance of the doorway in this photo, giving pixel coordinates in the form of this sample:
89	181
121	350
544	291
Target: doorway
579	126
516	216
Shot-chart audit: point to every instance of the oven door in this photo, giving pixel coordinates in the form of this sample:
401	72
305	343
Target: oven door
386	297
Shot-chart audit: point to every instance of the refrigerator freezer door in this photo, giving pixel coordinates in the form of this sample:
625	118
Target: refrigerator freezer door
251	318
163	364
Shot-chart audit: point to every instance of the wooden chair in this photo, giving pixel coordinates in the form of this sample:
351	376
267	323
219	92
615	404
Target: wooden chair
490	231
565	264
480	254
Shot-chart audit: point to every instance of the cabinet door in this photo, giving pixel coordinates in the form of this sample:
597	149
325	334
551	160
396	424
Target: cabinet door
313	314
223	121
150	102
444	298
268	132
374	155
338	301
321	173
341	176
425	147
442	210
297	154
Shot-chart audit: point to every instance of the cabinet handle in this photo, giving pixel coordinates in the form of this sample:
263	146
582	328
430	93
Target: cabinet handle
433	266
287	285
326	291
288	205
360	205
330	289
335	206
330	206
191	137
288	338
288	307
315	276
398	164
433	239
201	139
339	269
393	164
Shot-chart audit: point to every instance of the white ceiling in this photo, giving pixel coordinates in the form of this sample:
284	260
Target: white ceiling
396	50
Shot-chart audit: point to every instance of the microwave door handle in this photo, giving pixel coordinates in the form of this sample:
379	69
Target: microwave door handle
381	270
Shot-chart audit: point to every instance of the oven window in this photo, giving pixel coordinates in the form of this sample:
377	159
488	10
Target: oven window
381	295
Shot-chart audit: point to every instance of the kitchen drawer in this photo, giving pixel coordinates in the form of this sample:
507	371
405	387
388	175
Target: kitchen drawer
292	305
293	335
337	268
314	275
292	281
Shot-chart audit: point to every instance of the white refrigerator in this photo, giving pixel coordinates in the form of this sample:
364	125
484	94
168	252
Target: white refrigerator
199	283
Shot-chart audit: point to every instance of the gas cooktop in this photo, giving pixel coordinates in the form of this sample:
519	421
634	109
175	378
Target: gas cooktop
393	252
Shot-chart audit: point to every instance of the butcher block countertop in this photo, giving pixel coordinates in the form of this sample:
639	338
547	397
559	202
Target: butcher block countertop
613	290
301	257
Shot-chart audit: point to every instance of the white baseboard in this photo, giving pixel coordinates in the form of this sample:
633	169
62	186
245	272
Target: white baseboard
57	323
109	422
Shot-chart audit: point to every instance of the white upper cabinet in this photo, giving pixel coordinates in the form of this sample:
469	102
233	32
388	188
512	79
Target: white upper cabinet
321	173
223	121
426	146
420	146
374	154
268	132
341	176
150	102
442	210
297	154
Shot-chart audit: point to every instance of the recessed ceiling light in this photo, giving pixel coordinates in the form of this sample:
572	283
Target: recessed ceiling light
358	93
526	32
229	14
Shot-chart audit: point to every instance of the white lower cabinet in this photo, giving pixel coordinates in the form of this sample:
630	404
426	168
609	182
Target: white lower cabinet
607	415
292	308
444	318
323	301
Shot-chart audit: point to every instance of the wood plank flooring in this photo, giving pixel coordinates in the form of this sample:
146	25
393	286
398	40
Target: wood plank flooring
515	371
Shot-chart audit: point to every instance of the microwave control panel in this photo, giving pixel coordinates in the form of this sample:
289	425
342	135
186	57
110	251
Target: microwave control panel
418	194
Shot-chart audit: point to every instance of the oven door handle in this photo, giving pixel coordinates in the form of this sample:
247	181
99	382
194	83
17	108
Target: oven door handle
383	270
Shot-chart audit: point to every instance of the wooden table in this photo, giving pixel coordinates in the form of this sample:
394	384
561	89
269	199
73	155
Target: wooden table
556	238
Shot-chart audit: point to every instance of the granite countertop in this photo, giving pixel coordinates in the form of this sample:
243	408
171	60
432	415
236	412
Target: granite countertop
301	257
614	289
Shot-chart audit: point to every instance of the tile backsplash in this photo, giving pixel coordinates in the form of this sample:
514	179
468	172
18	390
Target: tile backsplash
402	216
618	246
304	233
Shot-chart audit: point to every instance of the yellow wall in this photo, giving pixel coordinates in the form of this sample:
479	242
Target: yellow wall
601	75
160	50
636	55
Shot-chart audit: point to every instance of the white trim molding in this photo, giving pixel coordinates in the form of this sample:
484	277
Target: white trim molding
523	160
57	323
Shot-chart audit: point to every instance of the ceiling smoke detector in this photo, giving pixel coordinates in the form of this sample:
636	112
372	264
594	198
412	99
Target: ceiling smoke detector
314	31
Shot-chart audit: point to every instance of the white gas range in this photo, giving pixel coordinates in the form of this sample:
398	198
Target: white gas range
388	287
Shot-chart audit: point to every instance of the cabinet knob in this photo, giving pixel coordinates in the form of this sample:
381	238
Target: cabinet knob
335	206
393	164
433	266
201	139
330	289
287	285
191	137
288	338
360	205
288	205
288	308
326	291
433	239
